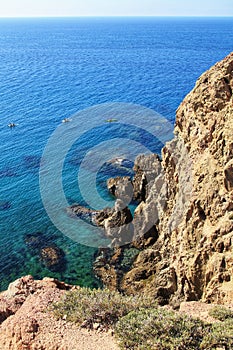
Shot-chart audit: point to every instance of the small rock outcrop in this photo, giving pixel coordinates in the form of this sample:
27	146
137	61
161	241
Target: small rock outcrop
121	187
115	222
184	221
53	258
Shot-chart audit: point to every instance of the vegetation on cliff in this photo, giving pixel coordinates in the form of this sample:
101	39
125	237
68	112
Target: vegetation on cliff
139	323
87	307
186	254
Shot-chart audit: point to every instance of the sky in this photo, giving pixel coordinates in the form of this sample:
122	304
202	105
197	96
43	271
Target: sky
48	8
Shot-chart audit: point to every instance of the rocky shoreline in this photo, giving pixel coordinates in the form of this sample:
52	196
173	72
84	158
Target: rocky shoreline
183	224
178	246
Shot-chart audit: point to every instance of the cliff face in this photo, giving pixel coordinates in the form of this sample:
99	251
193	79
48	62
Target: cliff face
187	215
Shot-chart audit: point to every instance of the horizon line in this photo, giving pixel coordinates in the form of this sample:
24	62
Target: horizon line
117	16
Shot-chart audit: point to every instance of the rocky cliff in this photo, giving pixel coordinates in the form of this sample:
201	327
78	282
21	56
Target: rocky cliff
182	248
183	226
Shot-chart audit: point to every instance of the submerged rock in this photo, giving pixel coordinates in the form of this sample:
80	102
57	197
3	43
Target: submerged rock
5	205
32	162
50	254
7	172
53	258
35	241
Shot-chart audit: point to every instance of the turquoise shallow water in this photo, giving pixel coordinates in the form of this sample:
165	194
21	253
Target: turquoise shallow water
52	68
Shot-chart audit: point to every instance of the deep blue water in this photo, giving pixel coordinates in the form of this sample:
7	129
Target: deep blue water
53	68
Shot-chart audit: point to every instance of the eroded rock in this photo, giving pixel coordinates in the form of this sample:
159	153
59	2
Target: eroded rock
121	187
188	204
116	221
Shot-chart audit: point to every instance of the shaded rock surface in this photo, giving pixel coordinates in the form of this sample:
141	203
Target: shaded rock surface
146	170
184	222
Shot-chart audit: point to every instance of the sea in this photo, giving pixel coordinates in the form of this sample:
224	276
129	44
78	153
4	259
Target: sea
57	68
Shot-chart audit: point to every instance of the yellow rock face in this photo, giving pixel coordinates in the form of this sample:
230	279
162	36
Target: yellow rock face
191	202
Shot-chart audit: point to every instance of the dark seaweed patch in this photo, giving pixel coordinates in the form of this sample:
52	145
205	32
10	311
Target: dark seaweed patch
7	172
5	205
32	162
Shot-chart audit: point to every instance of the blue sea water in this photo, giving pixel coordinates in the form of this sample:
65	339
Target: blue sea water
53	68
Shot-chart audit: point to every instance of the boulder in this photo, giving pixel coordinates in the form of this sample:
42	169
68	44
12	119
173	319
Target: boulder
5	205
50	254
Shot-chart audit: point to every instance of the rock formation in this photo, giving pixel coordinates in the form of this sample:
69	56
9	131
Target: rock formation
27	323
181	236
53	258
115	222
121	187
184	223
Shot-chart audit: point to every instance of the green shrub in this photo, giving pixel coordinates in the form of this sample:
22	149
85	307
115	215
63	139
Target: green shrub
141	325
159	329
86	307
221	313
220	336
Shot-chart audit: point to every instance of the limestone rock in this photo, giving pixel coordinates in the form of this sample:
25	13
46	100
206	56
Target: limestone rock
116	222
187	207
121	187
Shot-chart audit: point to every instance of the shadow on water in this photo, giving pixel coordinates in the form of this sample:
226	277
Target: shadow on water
8	172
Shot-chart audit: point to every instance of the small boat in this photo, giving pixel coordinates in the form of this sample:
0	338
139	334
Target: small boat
66	120
11	125
111	120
